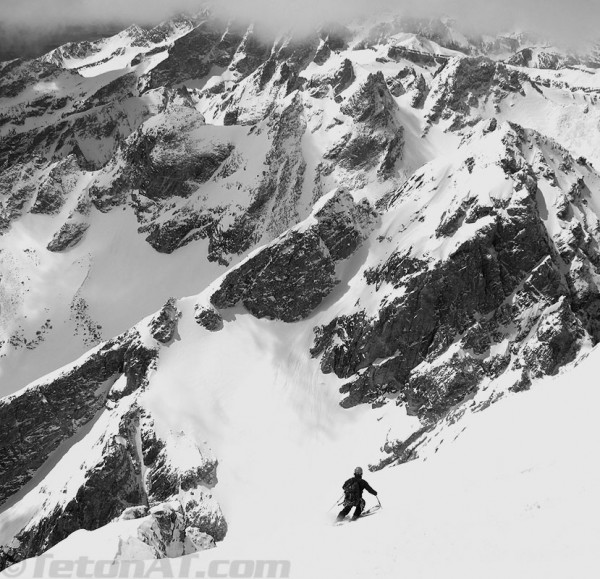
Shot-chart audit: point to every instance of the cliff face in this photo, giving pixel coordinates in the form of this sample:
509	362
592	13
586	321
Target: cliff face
127	469
362	204
492	267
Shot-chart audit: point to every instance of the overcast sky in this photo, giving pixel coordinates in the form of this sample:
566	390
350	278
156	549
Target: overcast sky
566	20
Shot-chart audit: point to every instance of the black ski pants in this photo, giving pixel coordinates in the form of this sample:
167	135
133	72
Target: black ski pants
358	509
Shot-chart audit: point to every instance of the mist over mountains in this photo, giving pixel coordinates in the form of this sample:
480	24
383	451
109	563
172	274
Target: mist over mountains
28	28
26	42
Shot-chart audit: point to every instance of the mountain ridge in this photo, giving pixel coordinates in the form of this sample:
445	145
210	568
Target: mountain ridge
407	224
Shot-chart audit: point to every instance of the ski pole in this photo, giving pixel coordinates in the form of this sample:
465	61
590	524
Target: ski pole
337	502
378	502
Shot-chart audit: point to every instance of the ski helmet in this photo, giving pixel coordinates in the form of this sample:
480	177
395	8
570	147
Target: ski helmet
358	470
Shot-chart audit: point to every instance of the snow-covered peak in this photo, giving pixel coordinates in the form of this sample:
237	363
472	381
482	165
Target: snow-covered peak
383	229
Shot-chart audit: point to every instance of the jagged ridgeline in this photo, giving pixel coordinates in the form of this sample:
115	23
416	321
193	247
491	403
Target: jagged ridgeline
413	212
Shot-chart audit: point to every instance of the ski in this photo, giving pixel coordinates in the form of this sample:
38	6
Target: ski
367	513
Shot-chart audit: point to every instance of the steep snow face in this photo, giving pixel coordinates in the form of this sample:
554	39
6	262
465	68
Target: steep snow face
495	501
385	230
513	322
487	496
98	289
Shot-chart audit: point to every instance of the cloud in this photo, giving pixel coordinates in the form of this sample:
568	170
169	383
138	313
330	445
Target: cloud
556	19
63	13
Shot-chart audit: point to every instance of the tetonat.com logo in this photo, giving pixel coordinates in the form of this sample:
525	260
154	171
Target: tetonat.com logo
49	567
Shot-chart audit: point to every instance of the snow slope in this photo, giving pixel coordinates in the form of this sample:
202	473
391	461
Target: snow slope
268	147
251	393
511	493
99	289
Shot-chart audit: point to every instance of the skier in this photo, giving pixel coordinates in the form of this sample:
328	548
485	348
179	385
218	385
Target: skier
353	489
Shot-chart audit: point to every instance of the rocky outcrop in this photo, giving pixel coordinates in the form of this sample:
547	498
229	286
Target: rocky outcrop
432	391
177	512
288	278
342	223
164	476
121	88
377	139
338	82
163	533
395	85
465	82
17	187
371	102
58	186
193	55
516	278
203	513
163	325
111	485
555	341
168	532
540	58
35	421
401	53
164	530
208	317
185	227
252	52
69	235
418	89
275	200
18	74
163	163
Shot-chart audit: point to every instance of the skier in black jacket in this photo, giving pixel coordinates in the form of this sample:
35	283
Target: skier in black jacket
353	489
